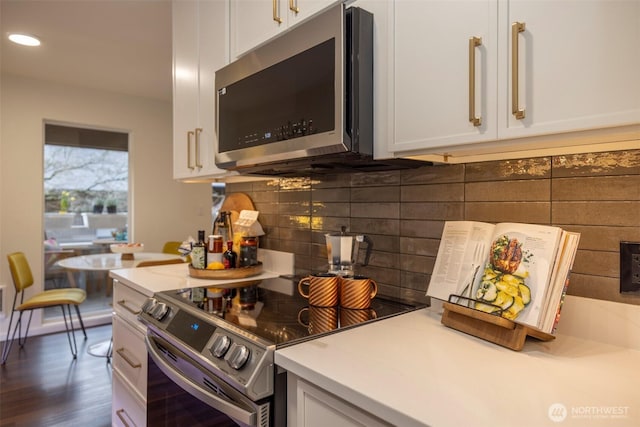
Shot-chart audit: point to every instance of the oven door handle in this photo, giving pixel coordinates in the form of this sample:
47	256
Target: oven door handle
247	417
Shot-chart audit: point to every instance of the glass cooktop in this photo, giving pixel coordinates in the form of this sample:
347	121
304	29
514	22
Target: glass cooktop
274	311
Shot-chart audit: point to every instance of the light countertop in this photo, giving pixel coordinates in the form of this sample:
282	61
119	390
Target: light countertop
149	280
411	370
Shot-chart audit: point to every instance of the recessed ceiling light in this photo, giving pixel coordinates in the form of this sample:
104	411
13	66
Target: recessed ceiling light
24	39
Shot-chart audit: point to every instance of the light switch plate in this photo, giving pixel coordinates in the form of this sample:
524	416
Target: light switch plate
629	267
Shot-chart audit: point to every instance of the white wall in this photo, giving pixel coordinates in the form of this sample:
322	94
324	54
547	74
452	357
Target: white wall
161	208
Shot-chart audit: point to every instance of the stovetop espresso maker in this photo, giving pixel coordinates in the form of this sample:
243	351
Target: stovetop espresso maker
342	251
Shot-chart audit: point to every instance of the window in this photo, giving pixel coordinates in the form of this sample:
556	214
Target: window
86	175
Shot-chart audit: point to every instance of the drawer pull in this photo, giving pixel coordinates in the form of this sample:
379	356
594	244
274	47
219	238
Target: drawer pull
198	132
123	303
189	135
474	42
122	354
119	413
293	6
516	28
276	17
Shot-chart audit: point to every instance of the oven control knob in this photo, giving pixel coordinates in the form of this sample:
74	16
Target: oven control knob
148	305
238	356
160	311
220	346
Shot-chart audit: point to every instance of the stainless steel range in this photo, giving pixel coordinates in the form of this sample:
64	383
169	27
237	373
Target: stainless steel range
224	360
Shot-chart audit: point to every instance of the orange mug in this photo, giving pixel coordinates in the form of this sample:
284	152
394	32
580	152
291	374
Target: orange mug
357	292
349	316
320	319
322	289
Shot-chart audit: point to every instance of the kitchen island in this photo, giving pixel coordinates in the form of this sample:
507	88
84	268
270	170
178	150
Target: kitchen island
411	370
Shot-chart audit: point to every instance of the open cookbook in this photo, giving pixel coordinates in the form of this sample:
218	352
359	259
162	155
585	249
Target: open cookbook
517	271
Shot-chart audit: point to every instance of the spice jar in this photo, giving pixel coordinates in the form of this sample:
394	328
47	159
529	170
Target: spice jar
248	251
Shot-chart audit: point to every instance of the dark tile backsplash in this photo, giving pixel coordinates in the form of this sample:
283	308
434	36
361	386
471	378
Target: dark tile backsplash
403	212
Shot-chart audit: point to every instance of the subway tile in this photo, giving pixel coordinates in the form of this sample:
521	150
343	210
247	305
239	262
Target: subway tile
368	179
389	227
623	213
338	180
598	287
295	234
331	195
505	170
597	263
520	190
294	208
416	263
294	221
328	223
433	174
432	193
375	194
297	196
434	210
381	259
603	238
264	197
426	229
262	186
375	210
419	246
414	281
597	164
528	212
294	184
382	242
328	209
392	291
625	187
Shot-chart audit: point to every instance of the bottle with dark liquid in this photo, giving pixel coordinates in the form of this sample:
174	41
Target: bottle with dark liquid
229	258
199	252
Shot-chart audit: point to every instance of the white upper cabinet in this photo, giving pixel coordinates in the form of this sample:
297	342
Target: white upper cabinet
468	72
577	63
252	22
439	48
199	48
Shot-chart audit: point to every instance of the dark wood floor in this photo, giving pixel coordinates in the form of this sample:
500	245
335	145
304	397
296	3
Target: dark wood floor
42	385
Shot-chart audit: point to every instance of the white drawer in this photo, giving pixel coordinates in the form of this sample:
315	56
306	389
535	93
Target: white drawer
127	410
127	302
130	354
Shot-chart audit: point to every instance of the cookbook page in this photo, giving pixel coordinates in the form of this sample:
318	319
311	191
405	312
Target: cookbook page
463	246
517	271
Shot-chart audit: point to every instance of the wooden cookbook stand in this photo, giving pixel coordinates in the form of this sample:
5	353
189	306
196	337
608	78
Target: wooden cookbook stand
489	327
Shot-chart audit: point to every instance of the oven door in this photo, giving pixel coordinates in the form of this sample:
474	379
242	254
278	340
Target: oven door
180	392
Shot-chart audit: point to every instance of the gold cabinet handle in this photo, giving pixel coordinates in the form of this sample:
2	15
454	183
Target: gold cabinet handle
131	363
198	132
275	12
123	303
189	135
119	413
516	28
293	6
474	42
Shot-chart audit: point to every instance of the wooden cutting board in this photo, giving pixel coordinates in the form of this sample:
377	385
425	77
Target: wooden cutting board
236	202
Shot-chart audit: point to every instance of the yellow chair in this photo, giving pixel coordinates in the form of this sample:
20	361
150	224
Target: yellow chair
62	297
171	248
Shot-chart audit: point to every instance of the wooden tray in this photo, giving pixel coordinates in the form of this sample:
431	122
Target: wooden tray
489	327
231	273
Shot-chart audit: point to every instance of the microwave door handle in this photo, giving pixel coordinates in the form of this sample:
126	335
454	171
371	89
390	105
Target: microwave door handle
228	408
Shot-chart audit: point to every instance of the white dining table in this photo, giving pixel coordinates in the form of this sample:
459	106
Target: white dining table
110	261
106	262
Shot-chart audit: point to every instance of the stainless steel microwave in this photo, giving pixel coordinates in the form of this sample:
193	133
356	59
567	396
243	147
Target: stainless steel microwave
301	102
